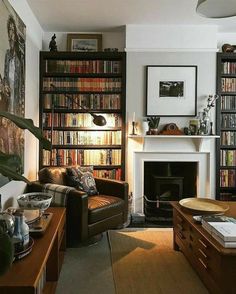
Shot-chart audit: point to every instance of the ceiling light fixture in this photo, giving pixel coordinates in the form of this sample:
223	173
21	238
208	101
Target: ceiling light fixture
216	8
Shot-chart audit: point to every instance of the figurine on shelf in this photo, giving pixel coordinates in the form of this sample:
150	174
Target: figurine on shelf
53	44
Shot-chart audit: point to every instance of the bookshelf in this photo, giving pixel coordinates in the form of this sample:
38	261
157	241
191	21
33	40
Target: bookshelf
226	127
97	82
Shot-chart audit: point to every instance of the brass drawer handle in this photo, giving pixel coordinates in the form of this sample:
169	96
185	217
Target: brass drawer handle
203	244
200	250
180	235
203	264
179	218
180	227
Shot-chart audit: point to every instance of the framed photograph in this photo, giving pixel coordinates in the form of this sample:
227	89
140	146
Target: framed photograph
171	90
84	42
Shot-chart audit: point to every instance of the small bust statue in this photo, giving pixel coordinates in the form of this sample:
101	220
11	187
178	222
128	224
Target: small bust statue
228	48
53	44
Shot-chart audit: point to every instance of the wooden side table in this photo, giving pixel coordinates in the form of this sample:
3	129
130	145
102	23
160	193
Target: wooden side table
39	271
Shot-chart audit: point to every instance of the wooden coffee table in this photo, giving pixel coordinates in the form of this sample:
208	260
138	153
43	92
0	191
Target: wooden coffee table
215	264
39	271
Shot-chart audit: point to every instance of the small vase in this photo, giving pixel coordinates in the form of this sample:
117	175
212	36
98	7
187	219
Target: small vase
153	131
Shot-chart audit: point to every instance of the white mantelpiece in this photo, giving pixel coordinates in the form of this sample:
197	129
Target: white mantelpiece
175	149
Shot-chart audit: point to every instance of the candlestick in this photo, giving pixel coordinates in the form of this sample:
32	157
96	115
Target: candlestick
133	128
134	116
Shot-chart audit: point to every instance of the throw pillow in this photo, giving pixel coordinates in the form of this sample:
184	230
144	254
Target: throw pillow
82	178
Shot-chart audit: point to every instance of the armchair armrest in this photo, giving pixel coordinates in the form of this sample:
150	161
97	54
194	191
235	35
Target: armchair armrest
76	213
112	187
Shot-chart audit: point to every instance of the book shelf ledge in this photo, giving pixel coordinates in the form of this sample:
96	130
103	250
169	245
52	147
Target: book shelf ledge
196	139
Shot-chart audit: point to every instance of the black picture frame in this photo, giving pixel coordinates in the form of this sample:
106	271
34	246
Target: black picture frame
171	90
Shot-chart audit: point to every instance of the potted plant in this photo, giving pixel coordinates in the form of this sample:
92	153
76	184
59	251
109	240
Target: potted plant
9	166
153	123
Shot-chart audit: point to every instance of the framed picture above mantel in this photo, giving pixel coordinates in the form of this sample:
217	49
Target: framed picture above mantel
171	90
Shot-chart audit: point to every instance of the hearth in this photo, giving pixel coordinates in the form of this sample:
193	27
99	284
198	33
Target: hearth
165	182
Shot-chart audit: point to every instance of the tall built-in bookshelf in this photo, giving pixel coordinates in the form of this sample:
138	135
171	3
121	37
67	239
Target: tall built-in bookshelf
226	127
97	82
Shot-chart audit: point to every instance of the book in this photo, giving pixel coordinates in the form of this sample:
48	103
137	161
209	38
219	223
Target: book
220	225
226	244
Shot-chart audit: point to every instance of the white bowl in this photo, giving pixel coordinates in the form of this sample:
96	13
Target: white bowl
35	200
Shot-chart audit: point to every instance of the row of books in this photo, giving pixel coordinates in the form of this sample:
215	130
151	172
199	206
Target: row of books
222	228
228	102
227	178
114	174
82	157
228	157
83	66
84	137
79	120
228	138
89	101
228	67
228	84
228	120
82	84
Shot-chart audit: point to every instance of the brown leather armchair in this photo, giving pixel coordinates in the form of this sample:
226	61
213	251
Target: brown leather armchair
86	215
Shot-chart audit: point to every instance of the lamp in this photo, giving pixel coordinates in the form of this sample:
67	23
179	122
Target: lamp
216	8
98	120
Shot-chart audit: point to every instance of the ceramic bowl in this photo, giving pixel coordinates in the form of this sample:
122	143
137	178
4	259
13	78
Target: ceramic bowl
35	200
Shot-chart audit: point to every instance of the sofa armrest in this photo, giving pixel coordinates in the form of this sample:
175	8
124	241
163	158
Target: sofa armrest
76	213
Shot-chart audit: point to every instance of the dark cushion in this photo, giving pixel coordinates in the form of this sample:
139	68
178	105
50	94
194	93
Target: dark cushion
53	175
82	179
103	206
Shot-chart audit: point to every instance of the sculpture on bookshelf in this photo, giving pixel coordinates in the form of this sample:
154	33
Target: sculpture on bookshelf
53	44
227	48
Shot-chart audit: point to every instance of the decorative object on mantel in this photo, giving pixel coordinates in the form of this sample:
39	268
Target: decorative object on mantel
227	48
133	125
53	44
153	123
205	126
171	129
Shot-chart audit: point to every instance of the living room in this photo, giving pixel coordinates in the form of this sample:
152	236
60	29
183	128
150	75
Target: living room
159	37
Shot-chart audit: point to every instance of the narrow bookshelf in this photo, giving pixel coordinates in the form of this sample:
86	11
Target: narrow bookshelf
96	82
226	127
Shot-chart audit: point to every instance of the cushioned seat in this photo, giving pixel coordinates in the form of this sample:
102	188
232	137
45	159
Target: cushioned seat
102	206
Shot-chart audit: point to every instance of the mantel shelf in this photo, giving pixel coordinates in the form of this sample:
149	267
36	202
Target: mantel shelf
197	139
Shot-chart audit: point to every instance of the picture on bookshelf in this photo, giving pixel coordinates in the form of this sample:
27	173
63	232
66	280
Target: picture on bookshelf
12	80
84	42
171	90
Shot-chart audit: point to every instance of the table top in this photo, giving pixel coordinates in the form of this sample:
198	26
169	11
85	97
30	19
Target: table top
28	270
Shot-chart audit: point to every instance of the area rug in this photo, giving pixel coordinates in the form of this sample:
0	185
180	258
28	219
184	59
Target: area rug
144	262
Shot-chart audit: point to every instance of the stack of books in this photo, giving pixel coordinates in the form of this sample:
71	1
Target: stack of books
222	228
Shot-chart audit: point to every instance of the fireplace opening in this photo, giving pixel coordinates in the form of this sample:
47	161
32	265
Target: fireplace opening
165	182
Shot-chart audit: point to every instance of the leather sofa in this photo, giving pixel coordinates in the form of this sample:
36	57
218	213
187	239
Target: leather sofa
86	215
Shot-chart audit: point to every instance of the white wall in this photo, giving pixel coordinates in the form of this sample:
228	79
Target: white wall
34	35
138	58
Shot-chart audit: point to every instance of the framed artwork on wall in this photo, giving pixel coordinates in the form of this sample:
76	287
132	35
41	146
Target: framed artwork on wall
84	42
171	90
12	81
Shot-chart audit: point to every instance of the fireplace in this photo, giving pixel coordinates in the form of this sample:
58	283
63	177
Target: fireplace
165	182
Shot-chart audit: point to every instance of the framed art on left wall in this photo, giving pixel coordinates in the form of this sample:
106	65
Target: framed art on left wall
12	80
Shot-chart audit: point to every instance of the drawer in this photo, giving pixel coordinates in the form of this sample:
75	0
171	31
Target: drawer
181	226
207	257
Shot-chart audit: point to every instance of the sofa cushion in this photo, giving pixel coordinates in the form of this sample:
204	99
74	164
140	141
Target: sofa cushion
103	206
82	179
53	175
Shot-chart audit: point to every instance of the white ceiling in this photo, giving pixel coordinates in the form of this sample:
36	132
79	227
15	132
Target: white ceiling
107	15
